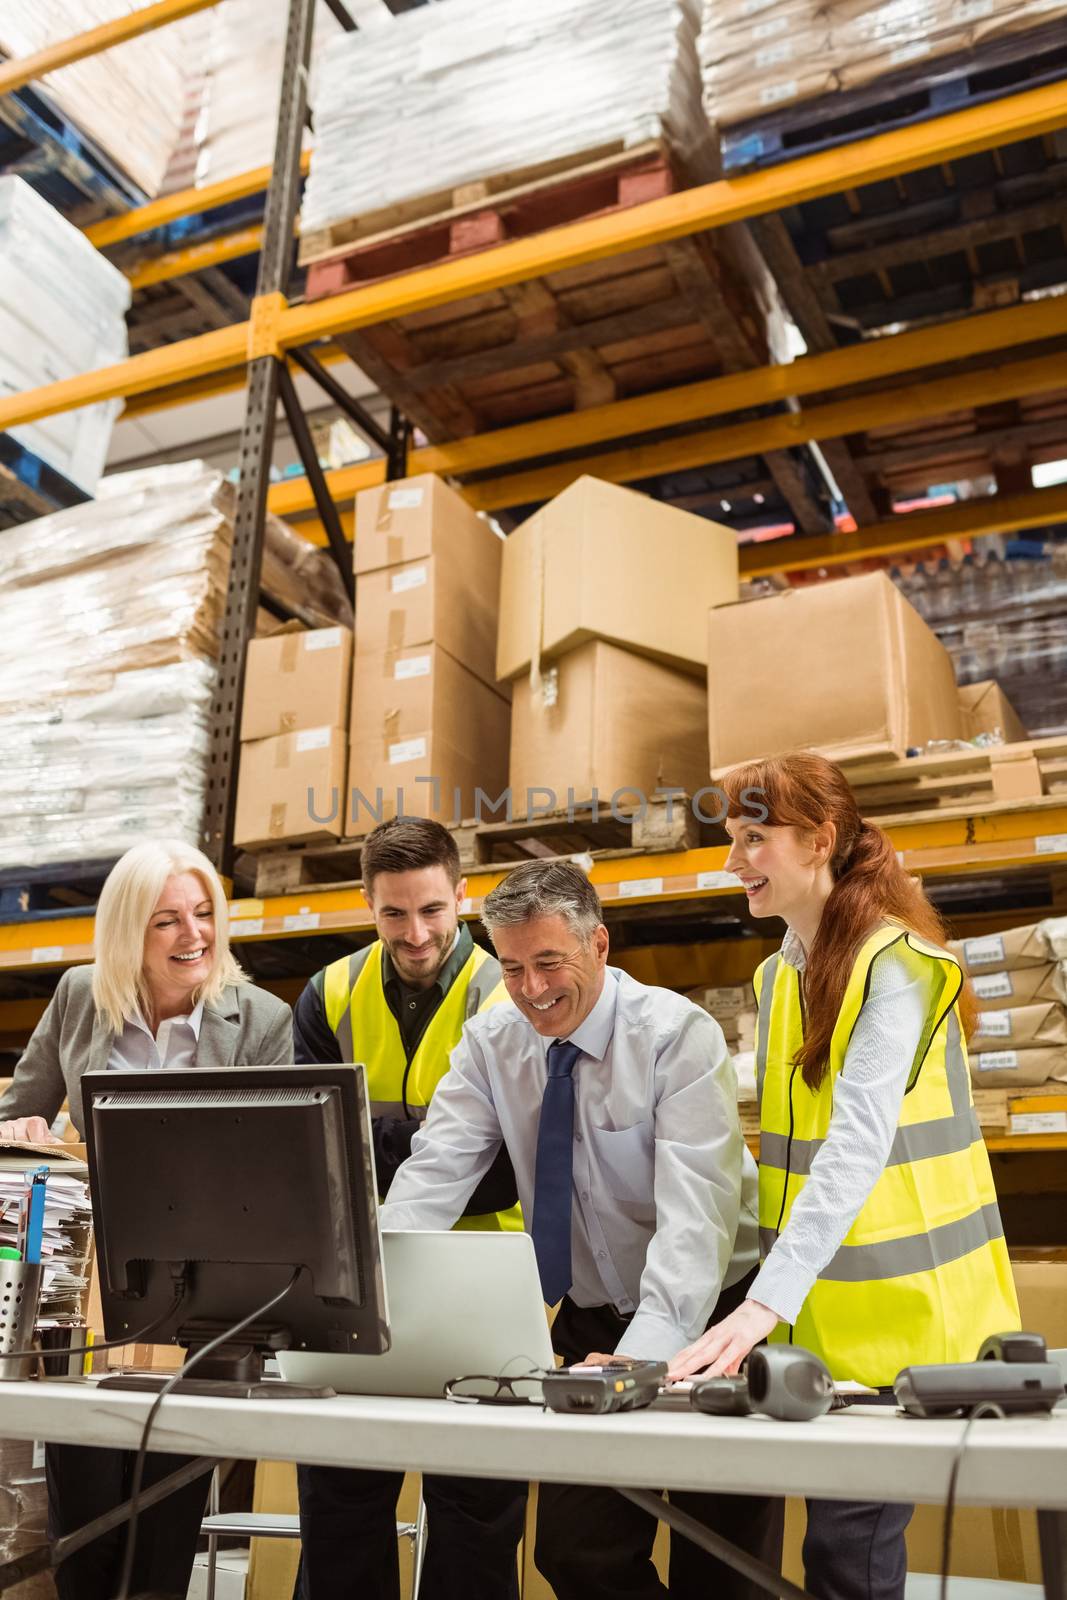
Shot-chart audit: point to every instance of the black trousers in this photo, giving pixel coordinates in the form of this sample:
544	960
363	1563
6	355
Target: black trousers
348	1530
854	1550
592	1544
84	1482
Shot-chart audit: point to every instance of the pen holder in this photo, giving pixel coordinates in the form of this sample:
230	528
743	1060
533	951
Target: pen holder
20	1297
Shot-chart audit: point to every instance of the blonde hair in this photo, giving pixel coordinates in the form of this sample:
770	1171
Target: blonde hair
127	901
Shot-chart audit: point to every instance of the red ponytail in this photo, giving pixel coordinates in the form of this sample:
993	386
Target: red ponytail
870	886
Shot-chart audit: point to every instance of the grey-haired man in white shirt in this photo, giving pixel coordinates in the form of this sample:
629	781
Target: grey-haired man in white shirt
617	1103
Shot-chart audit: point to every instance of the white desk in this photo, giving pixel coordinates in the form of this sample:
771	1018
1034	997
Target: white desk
862	1453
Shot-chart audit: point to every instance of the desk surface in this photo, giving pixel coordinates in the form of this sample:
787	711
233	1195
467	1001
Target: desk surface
862	1453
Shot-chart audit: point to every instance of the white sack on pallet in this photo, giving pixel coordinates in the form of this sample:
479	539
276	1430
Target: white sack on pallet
128	100
477	88
111	618
62	312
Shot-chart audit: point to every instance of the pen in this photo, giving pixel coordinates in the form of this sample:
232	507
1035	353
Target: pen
35	1215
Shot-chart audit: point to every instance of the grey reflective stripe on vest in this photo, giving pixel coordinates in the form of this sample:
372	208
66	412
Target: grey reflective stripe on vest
482	985
763	1022
920	1141
899	1258
343	1031
959	1077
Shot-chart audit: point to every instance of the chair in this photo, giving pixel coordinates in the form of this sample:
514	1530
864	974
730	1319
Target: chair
286	1525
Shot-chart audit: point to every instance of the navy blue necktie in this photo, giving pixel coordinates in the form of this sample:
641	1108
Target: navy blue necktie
551	1224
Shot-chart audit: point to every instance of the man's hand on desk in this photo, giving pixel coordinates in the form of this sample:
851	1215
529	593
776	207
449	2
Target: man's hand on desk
723	1348
31	1129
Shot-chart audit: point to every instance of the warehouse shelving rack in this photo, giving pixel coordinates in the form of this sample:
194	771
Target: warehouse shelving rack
278	336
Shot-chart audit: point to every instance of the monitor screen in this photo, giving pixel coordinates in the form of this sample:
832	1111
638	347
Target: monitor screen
215	1185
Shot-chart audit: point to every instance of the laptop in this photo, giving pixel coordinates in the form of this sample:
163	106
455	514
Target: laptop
459	1304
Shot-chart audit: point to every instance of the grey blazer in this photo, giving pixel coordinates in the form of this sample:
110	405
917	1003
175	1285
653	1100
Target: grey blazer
246	1027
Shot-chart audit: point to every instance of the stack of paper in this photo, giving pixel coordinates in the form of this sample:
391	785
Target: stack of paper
67	1235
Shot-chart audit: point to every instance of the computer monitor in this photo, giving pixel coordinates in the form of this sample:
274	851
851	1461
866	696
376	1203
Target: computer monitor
216	1185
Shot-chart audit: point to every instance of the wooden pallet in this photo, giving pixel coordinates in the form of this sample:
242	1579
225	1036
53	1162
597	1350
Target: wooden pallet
913	94
661	826
959	780
29	487
650	319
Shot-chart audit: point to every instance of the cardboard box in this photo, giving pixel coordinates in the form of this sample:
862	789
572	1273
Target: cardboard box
1019	1069
1002	991
1020	1027
436	600
987	709
1028	946
418	518
600	562
617	722
296	678
847	668
420	715
290	790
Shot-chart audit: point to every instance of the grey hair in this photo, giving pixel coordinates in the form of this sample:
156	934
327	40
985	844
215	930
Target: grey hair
544	889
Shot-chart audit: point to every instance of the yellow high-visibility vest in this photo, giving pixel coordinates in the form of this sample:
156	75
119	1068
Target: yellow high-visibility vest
923	1273
358	1013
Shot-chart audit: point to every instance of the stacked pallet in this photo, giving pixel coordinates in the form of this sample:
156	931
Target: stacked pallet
760	55
111	620
128	100
1020	980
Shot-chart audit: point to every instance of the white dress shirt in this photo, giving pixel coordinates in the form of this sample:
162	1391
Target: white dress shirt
868	1095
136	1048
665	1191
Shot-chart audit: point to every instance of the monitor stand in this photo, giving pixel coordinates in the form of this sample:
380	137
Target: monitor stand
233	1372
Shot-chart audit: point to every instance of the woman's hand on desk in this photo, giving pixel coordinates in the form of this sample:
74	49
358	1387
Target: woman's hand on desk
723	1348
32	1129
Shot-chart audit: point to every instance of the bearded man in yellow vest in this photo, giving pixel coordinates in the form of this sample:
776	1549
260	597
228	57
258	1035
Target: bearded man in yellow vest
880	1236
399	1006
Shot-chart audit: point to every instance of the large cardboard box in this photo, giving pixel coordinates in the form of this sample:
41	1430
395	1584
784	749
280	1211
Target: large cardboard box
848	668
987	709
436	600
296	678
600	562
290	789
607	720
420	517
422	728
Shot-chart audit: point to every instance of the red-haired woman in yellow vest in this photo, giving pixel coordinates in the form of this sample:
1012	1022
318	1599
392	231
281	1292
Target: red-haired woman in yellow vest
880	1236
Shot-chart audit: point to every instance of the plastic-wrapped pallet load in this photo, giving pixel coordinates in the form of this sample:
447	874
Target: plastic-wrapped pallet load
127	99
111	618
62	312
244	47
453	94
758	55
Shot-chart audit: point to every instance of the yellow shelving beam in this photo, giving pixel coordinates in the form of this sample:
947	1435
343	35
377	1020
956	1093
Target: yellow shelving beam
958	846
25	69
712	205
183	203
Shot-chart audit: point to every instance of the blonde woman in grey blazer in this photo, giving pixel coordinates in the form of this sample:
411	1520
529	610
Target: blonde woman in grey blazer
164	991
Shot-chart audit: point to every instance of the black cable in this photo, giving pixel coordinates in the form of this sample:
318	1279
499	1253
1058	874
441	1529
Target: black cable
136	1337
142	1451
988	1408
